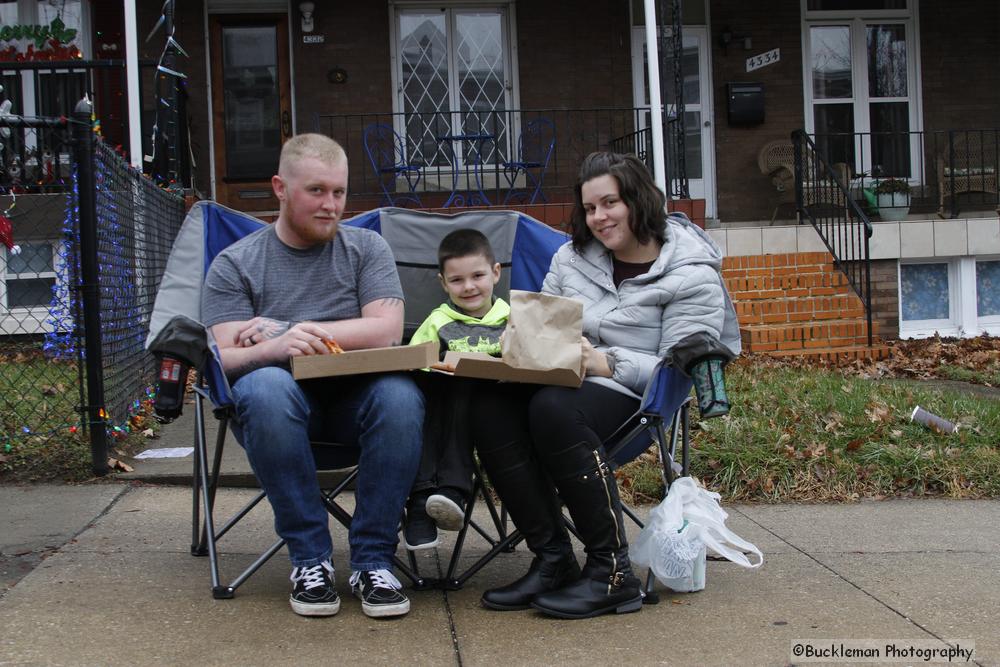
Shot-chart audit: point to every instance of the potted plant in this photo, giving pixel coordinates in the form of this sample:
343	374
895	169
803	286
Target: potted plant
893	198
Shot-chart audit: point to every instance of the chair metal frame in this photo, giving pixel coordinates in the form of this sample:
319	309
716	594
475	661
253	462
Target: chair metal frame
387	154
622	446
534	152
204	534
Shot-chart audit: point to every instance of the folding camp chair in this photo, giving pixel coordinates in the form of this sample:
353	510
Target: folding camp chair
524	247
207	230
666	402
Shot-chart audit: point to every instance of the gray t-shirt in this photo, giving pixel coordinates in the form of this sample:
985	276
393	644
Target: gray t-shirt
261	276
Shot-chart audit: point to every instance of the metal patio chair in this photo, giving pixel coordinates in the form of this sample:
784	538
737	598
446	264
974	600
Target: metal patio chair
534	152
387	154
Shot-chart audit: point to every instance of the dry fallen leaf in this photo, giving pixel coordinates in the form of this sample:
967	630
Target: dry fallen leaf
115	464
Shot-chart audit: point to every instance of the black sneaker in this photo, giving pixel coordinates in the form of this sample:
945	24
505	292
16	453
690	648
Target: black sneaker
314	594
446	508
380	594
419	531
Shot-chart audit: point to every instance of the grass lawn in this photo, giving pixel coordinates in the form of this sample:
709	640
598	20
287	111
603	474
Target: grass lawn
814	434
794	432
41	438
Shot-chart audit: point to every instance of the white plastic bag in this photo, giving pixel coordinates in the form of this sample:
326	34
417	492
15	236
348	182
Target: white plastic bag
671	547
674	541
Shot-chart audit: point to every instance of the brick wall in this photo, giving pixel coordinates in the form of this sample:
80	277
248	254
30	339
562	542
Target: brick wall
357	41
959	63
885	297
743	192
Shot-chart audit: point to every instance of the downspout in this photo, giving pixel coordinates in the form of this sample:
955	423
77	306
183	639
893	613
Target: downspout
655	103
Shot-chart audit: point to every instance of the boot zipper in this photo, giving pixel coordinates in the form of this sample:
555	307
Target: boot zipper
602	471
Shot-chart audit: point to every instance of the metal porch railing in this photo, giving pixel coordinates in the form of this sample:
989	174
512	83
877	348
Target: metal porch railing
823	197
577	133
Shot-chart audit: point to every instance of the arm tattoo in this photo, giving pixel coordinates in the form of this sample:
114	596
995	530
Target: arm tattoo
390	301
269	328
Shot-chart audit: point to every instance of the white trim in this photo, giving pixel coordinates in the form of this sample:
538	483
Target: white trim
989	323
27	319
655	103
208	107
949	326
855	21
512	96
964	320
132	84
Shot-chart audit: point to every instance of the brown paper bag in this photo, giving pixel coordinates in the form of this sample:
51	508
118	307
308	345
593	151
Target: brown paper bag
543	332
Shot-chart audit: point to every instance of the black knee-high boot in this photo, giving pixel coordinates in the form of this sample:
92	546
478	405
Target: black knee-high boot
591	496
530	499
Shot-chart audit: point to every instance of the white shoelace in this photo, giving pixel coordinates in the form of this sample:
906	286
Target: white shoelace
311	577
380	579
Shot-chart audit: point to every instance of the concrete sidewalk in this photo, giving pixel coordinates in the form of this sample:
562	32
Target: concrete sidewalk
113	583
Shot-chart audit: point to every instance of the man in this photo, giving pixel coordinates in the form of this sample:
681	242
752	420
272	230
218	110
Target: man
279	293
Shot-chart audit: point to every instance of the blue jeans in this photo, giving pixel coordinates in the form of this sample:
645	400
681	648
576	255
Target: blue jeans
382	415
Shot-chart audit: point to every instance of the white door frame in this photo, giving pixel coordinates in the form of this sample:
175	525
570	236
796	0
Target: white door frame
704	187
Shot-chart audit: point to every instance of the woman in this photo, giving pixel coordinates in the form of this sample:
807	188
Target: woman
647	282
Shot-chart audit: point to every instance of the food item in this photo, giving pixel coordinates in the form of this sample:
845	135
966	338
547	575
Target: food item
332	345
441	366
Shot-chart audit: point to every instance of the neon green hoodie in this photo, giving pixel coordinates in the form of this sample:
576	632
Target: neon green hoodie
458	332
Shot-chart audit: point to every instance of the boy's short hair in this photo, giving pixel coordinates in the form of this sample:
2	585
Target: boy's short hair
310	145
463	243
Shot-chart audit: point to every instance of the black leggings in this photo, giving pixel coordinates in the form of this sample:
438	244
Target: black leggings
562	426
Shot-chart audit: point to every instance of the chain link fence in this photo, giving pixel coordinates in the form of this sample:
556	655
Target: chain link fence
45	390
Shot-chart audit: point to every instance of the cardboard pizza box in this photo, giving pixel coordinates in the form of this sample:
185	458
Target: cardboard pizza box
373	360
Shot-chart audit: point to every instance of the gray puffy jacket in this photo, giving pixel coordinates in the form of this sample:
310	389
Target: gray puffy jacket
638	323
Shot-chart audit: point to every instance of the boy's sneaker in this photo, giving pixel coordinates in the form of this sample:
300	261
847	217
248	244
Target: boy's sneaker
420	531
314	594
380	593
446	508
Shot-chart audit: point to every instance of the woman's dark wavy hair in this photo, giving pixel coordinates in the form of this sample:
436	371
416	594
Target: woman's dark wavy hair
645	201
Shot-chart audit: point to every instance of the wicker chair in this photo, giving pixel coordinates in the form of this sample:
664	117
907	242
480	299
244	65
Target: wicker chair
973	169
777	160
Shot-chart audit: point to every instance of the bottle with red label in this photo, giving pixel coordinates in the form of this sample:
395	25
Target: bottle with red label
171	383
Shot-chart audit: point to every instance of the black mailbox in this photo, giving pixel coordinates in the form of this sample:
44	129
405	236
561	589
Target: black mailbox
746	103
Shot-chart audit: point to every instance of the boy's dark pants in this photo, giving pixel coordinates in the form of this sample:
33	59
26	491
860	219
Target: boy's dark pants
446	457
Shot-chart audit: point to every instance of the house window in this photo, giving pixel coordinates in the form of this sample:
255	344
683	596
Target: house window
988	289
861	97
28	276
454	78
960	297
57	92
925	292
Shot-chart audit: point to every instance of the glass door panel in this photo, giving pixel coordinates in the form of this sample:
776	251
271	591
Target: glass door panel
423	55
888	103
481	72
830	54
860	87
252	112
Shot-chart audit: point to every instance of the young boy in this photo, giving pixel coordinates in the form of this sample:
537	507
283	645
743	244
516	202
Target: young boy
470	321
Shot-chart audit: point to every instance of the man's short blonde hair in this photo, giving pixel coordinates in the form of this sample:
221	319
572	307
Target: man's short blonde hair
310	145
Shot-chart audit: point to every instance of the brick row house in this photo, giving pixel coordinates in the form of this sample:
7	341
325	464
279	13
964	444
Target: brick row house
494	103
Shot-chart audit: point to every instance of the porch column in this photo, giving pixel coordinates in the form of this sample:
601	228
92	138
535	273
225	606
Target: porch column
655	104
132	82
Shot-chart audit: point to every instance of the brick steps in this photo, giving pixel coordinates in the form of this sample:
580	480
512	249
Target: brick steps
798	304
834	354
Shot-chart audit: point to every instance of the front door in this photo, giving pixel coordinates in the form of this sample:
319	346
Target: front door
699	139
251	107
